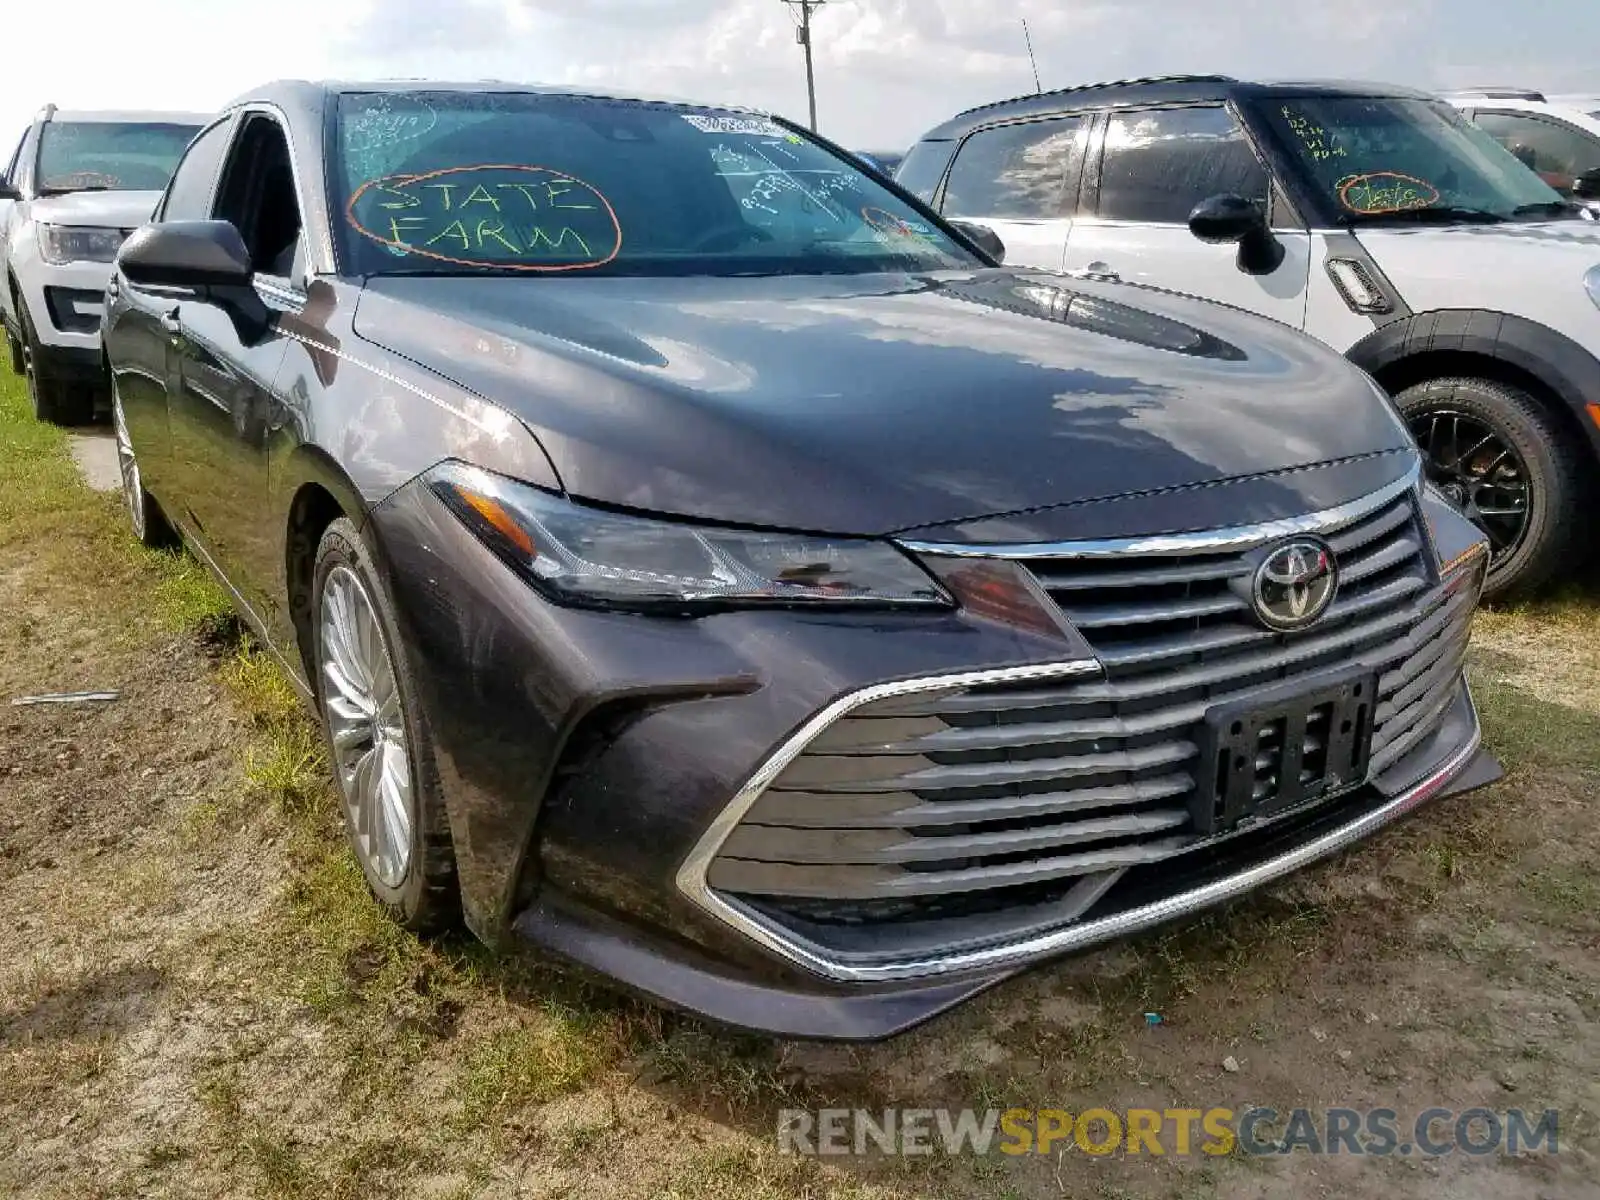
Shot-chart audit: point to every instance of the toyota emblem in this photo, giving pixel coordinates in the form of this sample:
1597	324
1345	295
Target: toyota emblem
1294	584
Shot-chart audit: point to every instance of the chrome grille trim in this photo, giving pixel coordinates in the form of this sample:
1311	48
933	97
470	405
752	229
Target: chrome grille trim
908	797
1243	537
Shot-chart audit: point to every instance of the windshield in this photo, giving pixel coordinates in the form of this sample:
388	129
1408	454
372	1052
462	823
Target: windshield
459	182
110	156
1377	159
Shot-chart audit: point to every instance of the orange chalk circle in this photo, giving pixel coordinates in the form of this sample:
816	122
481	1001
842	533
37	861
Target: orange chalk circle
1378	192
501	216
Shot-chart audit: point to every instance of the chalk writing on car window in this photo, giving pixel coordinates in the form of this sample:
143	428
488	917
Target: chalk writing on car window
1377	192
890	228
378	134
513	217
1314	137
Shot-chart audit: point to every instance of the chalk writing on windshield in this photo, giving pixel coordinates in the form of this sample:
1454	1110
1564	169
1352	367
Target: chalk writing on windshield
892	228
1377	192
1314	137
513	217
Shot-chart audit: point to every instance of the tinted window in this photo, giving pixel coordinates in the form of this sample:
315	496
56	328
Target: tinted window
110	156
258	195
547	183
922	169
1391	159
189	195
1159	164
1558	152
1016	171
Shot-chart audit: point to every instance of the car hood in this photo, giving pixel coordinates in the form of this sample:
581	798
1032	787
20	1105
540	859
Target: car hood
107	210
877	403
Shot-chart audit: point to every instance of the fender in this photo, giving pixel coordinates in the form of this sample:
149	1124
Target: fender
1558	362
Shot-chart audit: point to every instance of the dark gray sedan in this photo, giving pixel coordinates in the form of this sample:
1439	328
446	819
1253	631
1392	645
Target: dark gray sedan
712	567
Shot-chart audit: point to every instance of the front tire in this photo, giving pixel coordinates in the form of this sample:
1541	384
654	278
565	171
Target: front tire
379	741
149	523
1503	458
53	401
19	362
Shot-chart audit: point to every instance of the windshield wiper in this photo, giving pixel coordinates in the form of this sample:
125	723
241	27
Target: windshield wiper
67	191
1441	214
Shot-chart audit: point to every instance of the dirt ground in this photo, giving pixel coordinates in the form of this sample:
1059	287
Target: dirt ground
196	998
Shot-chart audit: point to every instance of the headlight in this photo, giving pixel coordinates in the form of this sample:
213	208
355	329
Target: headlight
65	244
1591	284
587	556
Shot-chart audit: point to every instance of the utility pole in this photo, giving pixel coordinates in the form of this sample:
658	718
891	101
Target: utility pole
803	36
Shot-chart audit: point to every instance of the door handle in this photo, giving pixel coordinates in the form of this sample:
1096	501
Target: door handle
1098	271
171	325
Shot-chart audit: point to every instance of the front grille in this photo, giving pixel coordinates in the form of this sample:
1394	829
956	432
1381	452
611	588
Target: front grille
946	804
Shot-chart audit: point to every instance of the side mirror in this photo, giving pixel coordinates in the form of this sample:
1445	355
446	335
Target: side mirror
983	238
186	254
8	190
1587	186
1231	218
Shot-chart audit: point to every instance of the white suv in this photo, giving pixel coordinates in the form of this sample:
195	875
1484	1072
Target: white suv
1374	218
1558	137
77	184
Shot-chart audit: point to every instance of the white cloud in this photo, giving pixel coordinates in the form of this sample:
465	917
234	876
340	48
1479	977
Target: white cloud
886	69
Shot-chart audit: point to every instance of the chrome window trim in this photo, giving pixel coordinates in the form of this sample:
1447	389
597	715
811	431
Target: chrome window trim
1242	537
1016	954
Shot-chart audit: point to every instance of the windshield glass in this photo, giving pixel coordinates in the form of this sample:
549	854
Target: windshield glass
1379	159
112	156
458	182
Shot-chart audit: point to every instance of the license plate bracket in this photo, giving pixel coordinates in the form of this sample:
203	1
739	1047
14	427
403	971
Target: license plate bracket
1283	748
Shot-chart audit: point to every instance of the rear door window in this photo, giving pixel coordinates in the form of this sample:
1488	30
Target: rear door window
1023	171
1159	163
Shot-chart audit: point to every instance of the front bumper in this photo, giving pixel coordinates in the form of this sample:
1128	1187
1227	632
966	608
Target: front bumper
590	760
66	303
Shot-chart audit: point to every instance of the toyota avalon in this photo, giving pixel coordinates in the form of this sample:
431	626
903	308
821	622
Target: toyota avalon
713	568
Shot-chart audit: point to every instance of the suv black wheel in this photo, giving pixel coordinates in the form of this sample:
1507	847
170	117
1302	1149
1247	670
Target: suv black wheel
19	362
53	401
1502	458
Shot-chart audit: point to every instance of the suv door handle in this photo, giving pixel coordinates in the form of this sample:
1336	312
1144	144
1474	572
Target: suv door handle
171	325
1097	270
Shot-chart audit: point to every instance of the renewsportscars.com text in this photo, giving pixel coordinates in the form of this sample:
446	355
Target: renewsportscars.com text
1178	1132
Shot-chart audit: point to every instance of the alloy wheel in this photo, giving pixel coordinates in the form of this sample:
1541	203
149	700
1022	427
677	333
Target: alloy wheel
366	728
1479	471
128	468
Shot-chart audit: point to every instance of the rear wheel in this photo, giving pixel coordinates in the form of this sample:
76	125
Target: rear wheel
379	740
1503	459
54	401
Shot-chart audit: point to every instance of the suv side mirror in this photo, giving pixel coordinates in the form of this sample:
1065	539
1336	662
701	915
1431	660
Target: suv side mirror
186	254
983	238
1232	218
1587	186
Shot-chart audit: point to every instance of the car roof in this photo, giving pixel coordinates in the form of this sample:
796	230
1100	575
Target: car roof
310	94
1165	89
124	116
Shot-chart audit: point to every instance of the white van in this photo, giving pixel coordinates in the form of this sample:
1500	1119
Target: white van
1374	218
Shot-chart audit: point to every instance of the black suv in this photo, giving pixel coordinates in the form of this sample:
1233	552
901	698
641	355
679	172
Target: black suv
1372	217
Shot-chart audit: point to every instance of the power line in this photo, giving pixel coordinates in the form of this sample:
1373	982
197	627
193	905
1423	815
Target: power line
803	36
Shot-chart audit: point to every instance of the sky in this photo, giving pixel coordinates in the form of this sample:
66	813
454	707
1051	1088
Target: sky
886	69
